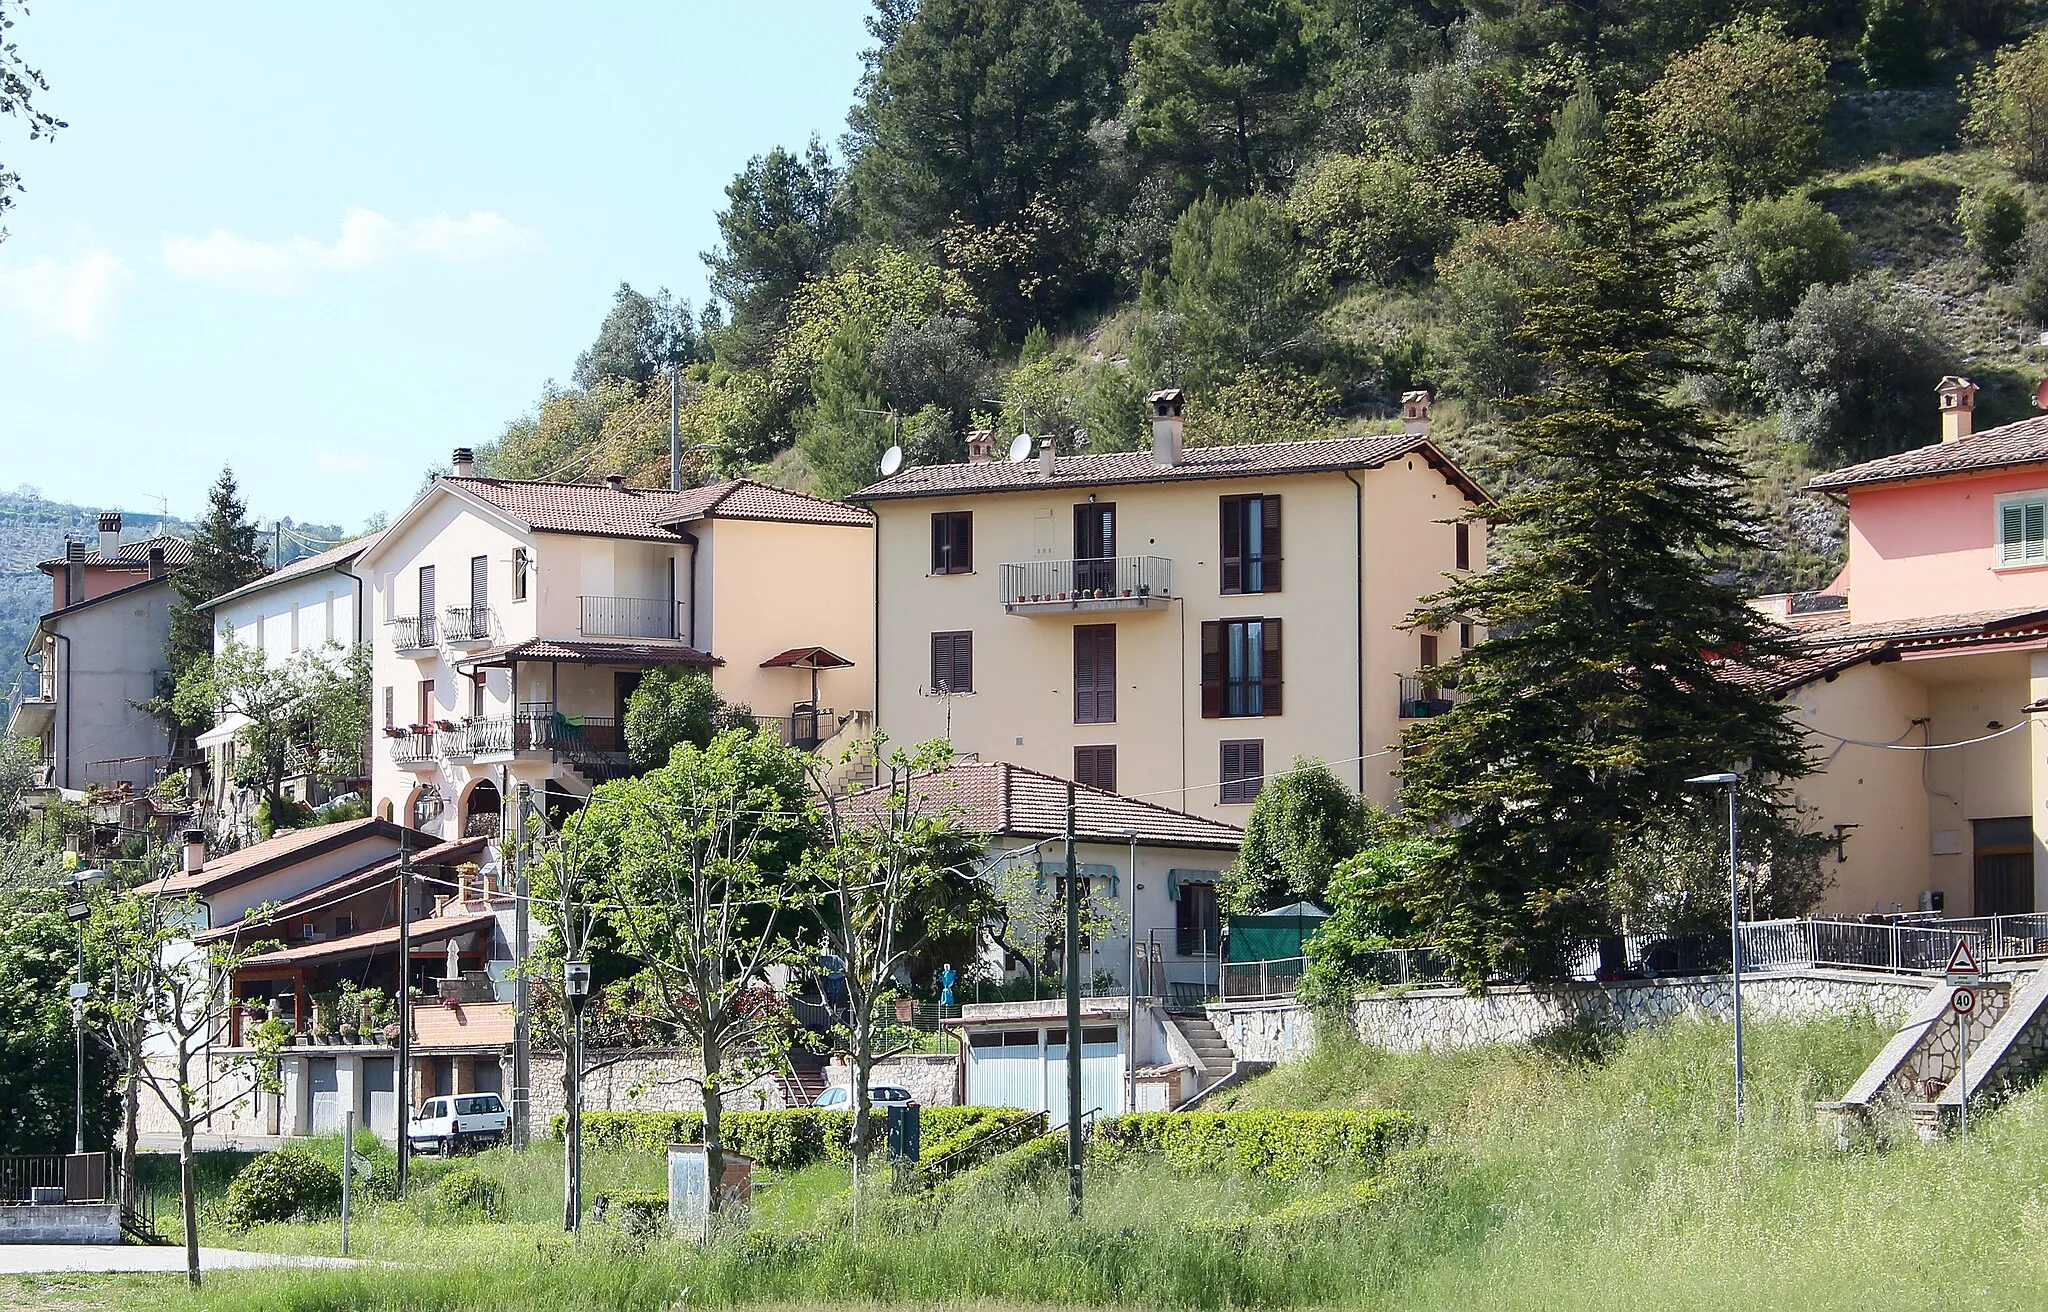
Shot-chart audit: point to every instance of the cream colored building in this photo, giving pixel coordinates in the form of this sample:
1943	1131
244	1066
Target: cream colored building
511	620
1174	624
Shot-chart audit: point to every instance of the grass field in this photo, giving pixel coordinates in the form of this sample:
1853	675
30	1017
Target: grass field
1585	1174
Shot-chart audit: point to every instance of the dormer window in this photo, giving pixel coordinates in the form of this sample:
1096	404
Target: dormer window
2023	530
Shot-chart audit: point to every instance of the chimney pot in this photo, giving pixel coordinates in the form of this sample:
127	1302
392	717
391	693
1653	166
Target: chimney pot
464	462
1958	398
1169	434
195	851
616	482
110	536
156	562
1415	412
1048	457
981	447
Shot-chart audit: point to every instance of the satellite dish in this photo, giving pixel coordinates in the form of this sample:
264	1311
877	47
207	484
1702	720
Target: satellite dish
892	460
1020	448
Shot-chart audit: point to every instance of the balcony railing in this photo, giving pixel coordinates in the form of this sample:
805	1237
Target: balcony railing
413	750
806	729
413	633
466	624
1423	696
1109	583
594	744
629	617
456	744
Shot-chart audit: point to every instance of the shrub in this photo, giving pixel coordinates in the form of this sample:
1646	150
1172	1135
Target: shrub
642	1215
1230	293
279	1186
1744	107
2033	275
1278	1145
1485	280
1993	218
780	1141
1373	219
469	1192
1784	246
1027	1164
2008	101
1261	405
1851	370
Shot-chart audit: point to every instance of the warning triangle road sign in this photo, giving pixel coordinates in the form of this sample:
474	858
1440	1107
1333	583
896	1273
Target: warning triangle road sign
1963	961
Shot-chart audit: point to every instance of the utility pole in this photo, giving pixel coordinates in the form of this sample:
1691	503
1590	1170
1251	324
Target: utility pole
675	432
404	1007
1131	989
1073	964
522	998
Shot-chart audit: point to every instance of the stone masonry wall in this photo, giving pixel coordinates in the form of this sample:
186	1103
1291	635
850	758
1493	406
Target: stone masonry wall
63	1223
932	1078
656	1080
1444	1019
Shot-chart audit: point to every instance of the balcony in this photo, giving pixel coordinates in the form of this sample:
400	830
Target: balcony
594	744
413	751
1112	583
413	635
32	717
454	742
806	728
1422	698
466	626
629	617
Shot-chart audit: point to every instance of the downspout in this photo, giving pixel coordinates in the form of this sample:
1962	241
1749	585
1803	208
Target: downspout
1358	604
876	727
68	703
1184	706
690	540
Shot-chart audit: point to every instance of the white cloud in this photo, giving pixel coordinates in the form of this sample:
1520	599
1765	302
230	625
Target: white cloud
64	299
367	239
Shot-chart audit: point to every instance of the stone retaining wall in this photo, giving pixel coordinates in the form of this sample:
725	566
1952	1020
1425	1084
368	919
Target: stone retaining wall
654	1080
1443	1019
932	1078
61	1223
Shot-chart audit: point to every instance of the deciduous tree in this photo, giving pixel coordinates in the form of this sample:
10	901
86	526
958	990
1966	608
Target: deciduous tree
2008	100
1744	107
1303	824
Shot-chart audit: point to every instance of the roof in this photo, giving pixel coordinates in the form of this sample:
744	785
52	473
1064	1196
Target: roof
132	555
353	883
277	852
431	930
807	658
332	558
2004	447
1824	645
996	797
1106	468
594	651
627	512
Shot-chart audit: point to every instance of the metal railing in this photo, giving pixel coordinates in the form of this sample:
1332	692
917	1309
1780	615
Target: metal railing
806	729
1904	944
1131	580
455	744
412	632
81	1176
1423	697
413	748
466	624
1262	979
629	617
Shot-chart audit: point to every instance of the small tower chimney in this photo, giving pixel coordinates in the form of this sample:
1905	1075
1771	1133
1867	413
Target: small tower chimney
1958	399
110	536
616	482
1048	456
981	446
74	572
464	462
1415	412
156	562
195	851
1169	434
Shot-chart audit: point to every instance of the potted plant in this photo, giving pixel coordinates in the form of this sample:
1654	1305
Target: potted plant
391	1032
349	1031
1144	589
1127	592
395	731
445	726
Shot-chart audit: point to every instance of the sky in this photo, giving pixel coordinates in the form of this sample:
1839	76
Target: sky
324	245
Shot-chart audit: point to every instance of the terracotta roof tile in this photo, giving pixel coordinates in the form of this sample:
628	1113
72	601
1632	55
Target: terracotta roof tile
133	555
1109	468
598	508
356	882
298	569
593	651
996	797
434	930
1823	646
2009	445
248	862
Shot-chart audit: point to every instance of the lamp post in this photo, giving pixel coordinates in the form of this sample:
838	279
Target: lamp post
1733	781
575	989
1131	986
79	911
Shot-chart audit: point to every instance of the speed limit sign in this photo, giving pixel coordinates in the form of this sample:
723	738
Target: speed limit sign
1963	1001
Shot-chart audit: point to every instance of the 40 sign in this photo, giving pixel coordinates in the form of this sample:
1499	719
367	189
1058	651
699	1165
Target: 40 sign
1963	1000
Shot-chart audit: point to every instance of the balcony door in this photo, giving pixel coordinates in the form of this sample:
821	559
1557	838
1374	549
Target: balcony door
1095	546
2004	852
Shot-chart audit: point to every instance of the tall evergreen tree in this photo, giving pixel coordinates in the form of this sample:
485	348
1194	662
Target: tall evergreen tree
227	553
1604	683
1223	91
845	436
1559	183
782	219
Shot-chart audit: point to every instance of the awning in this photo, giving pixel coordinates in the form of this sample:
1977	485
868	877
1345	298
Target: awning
642	653
807	658
435	930
223	733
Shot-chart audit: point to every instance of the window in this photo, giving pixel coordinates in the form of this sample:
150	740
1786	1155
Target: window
479	582
390	707
427	712
1251	544
476	696
1197	929
1464	545
426	610
1095	767
1464	637
953	542
1240	668
1242	772
1094	674
2023	531
1427	656
952	662
295	626
519	563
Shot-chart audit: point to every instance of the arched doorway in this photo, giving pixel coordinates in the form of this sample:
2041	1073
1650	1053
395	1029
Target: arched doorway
482	810
384	809
428	806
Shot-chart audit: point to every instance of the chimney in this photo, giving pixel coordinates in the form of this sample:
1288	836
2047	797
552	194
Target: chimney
1958	399
110	536
1168	431
616	482
1048	454
981	447
464	462
195	851
74	572
156	562
1415	412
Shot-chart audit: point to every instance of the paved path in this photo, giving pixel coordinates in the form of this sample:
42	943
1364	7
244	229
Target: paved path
23	1259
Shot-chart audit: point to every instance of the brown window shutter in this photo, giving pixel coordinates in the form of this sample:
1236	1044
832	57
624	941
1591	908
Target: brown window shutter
1212	669
1231	767
1254	763
940	541
1095	767
1269	547
1094	673
963	662
1231	551
1464	545
1269	667
963	542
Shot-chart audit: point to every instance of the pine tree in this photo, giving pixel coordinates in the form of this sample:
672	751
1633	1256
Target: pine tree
1223	91
1897	46
845	437
1603	684
227	553
1559	183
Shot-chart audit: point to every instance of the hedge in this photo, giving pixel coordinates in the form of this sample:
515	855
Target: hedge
778	1140
1282	1145
279	1186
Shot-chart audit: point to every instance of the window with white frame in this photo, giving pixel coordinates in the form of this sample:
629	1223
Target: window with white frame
2023	530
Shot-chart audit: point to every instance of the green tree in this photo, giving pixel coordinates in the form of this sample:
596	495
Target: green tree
1993	217
1113	409
673	706
1600	690
883	290
844	432
1367	917
38	961
1743	109
1779	247
227	553
1558	185
1673	875
1897	45
1303	824
1262	405
19	85
640	337
1223	92
309	715
783	218
1485	280
2008	100
1376	218
1850	371
1231	294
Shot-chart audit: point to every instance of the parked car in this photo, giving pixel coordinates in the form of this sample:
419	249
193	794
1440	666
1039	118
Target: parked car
466	1120
840	1099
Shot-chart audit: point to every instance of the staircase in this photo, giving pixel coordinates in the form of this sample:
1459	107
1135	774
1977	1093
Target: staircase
802	1079
1212	1055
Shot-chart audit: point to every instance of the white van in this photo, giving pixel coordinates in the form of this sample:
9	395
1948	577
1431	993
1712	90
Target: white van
466	1120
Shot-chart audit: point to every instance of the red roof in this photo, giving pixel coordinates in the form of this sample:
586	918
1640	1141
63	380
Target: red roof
629	512
807	658
2005	447
595	651
1824	645
277	852
372	940
349	885
996	797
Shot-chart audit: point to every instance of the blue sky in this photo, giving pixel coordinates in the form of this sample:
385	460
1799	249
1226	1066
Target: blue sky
325	244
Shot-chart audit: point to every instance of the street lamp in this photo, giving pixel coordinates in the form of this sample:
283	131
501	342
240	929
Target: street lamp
1131	986
1732	780
575	989
79	912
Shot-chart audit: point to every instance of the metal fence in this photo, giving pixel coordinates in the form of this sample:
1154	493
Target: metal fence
1904	944
412	632
466	624
628	617
1120	577
82	1176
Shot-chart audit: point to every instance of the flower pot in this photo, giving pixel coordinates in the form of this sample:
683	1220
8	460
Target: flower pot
1127	592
